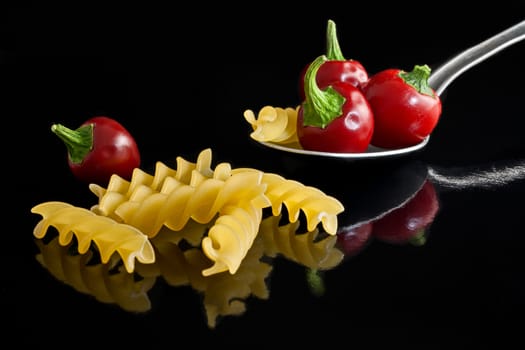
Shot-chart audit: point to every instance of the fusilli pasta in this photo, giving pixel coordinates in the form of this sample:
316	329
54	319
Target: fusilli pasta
273	124
317	206
108	235
230	201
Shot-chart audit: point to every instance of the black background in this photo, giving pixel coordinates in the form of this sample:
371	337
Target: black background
179	78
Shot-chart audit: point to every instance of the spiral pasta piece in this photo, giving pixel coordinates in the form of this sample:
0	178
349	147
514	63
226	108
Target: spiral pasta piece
120	190
200	201
317	206
108	235
230	238
129	213
102	281
273	124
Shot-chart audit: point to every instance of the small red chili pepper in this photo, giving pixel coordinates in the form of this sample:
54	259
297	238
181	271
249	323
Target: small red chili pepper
336	118
406	109
337	67
99	148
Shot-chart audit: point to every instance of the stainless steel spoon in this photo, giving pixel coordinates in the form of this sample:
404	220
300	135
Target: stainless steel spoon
442	76
439	80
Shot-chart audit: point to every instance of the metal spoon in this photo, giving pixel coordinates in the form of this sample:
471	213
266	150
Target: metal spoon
439	80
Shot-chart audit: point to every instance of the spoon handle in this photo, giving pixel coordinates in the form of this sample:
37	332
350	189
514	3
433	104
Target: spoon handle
442	76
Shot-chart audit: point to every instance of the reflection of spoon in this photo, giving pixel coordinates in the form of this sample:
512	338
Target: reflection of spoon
439	80
407	202
380	192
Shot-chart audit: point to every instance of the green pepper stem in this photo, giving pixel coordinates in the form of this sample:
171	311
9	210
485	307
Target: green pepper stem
320	106
333	50
78	142
418	78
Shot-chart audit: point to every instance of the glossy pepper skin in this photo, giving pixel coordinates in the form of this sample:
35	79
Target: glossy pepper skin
337	67
406	109
99	148
336	119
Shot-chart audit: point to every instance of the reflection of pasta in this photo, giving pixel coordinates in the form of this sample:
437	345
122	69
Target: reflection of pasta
108	235
102	281
274	124
224	294
296	197
303	248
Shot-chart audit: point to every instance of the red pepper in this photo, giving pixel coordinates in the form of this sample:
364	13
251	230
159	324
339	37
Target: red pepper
406	109
99	148
337	67
336	118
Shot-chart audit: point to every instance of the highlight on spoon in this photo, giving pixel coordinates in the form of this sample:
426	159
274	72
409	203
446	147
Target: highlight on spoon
371	153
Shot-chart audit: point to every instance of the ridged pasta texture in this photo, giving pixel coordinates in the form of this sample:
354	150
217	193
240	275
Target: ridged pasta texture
273	124
230	200
109	236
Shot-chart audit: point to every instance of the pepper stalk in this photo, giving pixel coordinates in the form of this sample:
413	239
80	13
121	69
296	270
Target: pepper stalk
320	106
333	49
78	142
418	79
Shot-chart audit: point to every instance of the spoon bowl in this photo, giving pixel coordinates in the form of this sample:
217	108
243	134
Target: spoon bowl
439	80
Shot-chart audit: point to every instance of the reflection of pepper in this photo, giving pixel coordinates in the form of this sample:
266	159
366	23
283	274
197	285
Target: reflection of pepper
337	67
354	239
408	223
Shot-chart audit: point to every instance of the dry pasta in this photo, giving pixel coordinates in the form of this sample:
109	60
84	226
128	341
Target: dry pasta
230	238
102	281
273	124
230	201
108	235
317	206
120	190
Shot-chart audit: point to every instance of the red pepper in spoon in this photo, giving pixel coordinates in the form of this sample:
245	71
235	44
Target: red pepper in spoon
99	148
336	118
337	67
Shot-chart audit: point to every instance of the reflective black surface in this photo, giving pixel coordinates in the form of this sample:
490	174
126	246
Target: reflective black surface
460	284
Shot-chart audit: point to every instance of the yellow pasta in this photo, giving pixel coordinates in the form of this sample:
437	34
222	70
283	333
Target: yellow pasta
201	201
120	190
230	238
317	206
273	124
306	248
102	281
108	235
230	201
